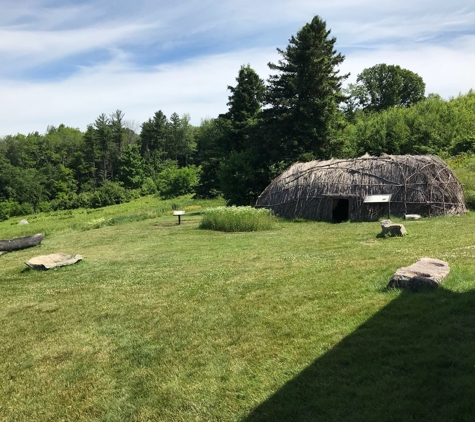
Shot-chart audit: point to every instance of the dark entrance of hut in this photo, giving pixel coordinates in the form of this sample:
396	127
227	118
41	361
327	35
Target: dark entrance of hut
341	210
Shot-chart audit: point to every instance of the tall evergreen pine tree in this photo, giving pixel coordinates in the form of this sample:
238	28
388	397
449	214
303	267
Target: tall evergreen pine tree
304	95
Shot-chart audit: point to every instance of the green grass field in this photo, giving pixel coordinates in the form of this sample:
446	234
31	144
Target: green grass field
162	322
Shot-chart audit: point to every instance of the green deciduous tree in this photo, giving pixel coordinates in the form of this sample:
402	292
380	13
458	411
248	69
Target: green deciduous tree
242	178
5	174
357	95
174	181
21	150
26	186
431	126
65	142
211	141
58	179
383	86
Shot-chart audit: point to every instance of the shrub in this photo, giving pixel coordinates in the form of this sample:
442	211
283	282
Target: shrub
463	166
83	200
26	208
44	206
109	193
12	208
470	199
237	219
148	187
173	181
463	145
64	201
4	211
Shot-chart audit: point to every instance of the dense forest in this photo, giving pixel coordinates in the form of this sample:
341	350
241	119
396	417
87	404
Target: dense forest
302	112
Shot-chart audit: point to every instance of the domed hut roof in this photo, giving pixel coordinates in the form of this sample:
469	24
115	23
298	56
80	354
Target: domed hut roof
335	190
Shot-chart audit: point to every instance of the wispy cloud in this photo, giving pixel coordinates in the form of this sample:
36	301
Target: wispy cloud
197	87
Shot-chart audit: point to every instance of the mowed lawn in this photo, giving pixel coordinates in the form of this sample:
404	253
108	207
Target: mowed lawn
163	322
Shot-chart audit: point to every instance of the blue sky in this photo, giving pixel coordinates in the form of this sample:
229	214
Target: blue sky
69	61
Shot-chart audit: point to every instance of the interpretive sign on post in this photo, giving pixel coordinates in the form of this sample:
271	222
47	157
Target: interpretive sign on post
379	199
179	214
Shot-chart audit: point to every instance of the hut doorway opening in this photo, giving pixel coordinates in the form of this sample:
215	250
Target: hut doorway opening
341	210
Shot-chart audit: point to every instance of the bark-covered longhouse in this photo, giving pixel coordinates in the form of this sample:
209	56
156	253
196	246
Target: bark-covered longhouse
334	190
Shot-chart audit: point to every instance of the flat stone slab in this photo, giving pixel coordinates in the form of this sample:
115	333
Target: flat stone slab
427	272
46	262
412	216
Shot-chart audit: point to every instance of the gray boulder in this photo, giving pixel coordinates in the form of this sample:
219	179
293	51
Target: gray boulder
392	229
23	222
427	272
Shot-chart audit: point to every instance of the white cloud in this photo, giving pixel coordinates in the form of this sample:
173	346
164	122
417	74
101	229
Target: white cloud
197	87
446	70
27	49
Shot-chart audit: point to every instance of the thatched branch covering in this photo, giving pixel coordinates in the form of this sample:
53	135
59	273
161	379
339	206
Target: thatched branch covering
335	189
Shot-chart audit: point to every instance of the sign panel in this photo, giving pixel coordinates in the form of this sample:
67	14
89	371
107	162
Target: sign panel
377	199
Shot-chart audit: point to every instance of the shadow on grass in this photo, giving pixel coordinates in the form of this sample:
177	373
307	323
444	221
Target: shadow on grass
412	361
172	224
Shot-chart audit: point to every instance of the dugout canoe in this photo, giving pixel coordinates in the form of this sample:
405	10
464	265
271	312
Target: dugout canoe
18	243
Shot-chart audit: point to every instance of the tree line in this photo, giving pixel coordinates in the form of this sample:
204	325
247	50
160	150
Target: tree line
302	112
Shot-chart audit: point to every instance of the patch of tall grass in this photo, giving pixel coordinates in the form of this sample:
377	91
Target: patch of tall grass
122	219
237	219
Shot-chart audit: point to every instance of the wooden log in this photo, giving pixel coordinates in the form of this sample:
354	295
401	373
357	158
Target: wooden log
18	243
